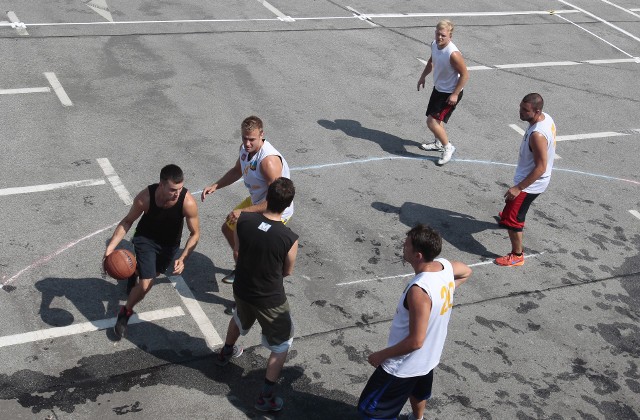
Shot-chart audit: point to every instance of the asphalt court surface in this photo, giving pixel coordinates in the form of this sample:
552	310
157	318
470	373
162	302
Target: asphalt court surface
335	83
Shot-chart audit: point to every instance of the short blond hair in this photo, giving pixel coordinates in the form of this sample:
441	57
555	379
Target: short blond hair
445	24
251	123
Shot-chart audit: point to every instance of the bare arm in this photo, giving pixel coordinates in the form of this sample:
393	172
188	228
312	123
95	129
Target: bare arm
458	64
419	305
290	260
461	272
139	206
231	176
538	144
425	73
190	213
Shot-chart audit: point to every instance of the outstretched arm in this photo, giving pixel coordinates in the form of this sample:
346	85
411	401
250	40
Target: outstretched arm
231	176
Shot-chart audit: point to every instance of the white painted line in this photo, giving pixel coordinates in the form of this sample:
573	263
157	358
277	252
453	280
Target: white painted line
361	16
635	213
467	14
621	8
24	90
206	327
50	187
74	329
591	33
281	16
542	64
58	89
19	26
601	20
100	7
472	68
517	128
424	62
586	136
115	181
412	274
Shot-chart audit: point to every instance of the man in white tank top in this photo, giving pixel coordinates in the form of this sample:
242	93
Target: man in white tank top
259	164
404	369
533	172
449	78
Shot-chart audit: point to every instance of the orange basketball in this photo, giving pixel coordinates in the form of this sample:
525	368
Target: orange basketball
120	264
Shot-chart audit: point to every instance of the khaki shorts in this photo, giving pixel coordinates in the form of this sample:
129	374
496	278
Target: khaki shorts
276	323
243	205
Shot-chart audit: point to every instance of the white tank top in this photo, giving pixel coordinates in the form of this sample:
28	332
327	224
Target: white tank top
445	77
526	164
440	287
253	178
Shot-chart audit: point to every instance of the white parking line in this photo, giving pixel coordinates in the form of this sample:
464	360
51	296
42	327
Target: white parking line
281	16
19	26
635	60
600	38
412	274
115	181
25	90
74	329
621	8
58	89
635	213
206	327
49	187
601	20
361	16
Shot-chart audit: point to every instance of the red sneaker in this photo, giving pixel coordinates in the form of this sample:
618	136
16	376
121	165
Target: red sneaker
510	260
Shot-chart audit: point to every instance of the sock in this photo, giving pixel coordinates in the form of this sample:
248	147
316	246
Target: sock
227	349
267	388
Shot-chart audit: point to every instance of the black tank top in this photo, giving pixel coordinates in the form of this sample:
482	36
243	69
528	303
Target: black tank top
163	226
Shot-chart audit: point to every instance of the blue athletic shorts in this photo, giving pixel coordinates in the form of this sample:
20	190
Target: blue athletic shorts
152	259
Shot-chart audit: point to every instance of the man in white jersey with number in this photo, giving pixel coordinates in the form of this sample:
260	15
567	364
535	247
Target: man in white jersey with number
449	78
404	369
533	173
259	164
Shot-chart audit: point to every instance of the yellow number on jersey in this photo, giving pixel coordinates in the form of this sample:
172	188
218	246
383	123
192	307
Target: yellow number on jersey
446	293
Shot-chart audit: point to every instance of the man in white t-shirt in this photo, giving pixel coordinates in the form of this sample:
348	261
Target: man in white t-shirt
533	173
449	78
259	164
404	369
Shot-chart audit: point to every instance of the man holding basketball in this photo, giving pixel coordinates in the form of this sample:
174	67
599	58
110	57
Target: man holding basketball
449	77
533	173
164	207
259	164
404	369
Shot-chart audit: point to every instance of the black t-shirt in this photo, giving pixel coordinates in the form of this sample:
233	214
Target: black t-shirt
163	226
263	248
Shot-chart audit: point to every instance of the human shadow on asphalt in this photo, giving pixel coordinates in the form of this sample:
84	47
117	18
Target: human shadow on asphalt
388	142
455	228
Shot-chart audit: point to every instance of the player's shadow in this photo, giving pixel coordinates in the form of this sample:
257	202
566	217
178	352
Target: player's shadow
455	228
388	142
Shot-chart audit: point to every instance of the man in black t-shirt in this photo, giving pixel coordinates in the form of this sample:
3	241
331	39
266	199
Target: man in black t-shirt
267	252
164	207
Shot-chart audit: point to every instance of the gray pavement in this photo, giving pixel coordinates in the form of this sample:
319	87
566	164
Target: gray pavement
556	338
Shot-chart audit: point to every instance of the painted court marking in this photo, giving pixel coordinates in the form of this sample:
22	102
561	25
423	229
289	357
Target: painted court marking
635	213
50	187
630	35
275	11
592	34
25	90
58	89
19	26
74	329
115	181
206	327
347	283
635	60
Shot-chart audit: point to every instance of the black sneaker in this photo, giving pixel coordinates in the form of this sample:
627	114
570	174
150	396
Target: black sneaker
229	278
131	283
121	324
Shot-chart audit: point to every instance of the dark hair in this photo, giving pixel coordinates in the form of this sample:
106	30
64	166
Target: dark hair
426	240
535	100
280	195
172	173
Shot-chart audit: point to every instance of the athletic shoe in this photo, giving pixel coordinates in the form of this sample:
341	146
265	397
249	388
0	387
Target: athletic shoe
229	278
447	153
510	260
121	323
431	147
222	358
229	309
131	283
269	403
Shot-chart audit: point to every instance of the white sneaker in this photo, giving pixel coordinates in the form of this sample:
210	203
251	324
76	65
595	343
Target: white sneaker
447	153
435	146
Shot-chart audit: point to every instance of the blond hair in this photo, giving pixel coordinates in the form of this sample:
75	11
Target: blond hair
445	24
251	123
